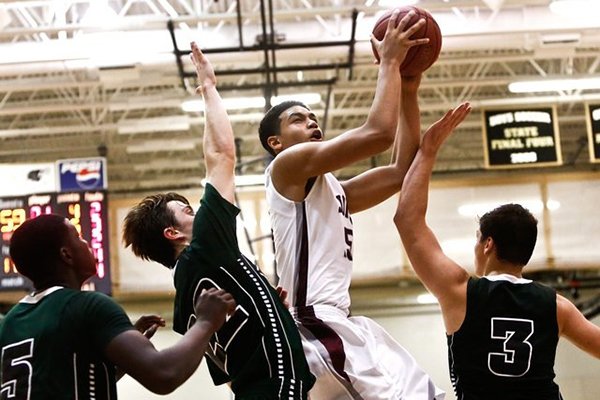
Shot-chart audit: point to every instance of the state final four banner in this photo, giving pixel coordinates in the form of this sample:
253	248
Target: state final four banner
593	124
523	137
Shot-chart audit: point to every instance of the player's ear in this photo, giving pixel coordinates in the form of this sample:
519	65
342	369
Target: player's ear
171	233
65	255
274	143
488	246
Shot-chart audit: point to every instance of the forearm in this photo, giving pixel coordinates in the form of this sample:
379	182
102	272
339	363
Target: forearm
414	197
218	133
383	115
372	187
182	359
408	133
159	371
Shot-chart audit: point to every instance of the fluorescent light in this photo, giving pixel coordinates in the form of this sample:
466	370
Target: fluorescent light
250	180
397	3
575	8
169	164
478	209
306	98
233	103
158	124
457	246
245	180
551	85
150	146
241	103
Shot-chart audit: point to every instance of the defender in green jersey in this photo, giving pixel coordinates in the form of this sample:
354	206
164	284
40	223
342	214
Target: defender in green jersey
63	343
502	330
258	349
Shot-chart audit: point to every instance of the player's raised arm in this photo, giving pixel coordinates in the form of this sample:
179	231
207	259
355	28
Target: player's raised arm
443	277
219	144
307	155
378	184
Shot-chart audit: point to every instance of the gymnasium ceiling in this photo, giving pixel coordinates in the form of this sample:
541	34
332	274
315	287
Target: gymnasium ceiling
89	78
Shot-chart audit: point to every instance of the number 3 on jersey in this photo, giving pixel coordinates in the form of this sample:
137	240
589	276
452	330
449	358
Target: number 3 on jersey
16	371
515	358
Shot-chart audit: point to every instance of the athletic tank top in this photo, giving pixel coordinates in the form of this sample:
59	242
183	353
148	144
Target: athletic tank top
313	243
506	346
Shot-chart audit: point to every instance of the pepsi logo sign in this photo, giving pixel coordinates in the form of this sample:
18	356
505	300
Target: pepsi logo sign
82	174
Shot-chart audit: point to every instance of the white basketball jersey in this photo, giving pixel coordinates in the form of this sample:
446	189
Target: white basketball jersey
313	243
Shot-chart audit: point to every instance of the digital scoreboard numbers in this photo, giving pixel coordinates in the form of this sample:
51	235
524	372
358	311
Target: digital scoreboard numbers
86	210
593	124
518	138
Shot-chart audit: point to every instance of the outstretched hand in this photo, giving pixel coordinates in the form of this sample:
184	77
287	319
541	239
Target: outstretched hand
149	324
440	130
204	69
213	305
395	44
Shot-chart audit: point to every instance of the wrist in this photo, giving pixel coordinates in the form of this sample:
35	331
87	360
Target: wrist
205	86
206	325
390	62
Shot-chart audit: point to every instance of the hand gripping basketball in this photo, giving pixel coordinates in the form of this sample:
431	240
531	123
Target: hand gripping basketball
420	57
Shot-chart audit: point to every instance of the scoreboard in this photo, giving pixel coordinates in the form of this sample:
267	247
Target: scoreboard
86	210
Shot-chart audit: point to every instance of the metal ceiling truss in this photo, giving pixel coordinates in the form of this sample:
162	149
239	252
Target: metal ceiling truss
53	108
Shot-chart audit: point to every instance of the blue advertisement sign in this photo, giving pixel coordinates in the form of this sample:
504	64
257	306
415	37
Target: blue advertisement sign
80	174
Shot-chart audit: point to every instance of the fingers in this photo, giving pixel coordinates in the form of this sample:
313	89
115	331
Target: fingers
220	295
394	17
146	321
458	114
196	55
414	27
151	331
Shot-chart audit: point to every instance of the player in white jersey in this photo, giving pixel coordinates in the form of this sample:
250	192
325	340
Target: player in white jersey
352	357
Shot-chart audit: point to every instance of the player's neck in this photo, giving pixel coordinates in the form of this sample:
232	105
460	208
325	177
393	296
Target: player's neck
504	269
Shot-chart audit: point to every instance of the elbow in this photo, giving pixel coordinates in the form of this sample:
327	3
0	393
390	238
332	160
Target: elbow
164	382
380	139
399	217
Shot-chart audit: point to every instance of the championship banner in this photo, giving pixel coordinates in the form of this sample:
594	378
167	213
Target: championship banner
524	137
593	125
80	174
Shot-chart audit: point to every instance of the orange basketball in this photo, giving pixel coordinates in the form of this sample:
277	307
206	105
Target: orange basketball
420	57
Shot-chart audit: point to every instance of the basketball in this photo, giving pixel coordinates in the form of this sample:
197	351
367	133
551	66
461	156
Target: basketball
420	57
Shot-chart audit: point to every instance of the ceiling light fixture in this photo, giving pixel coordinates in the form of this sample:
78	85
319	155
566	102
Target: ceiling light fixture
551	85
168	145
241	103
396	3
155	124
245	180
478	209
573	8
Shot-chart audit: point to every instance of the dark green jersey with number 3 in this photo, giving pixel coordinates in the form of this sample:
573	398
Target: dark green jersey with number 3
53	343
506	346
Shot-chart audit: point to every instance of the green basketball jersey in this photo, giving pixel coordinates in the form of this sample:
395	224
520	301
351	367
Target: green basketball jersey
53	343
506	346
258	349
